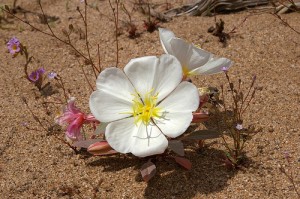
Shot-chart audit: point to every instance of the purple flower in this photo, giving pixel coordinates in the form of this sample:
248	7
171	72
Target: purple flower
225	69
14	46
36	75
74	118
52	75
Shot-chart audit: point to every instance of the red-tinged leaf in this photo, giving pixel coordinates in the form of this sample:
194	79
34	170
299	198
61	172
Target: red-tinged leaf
183	162
203	100
202	135
177	147
200	117
86	143
148	170
101	148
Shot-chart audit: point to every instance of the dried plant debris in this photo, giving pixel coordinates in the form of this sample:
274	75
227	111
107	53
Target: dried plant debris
218	31
291	7
147	9
208	7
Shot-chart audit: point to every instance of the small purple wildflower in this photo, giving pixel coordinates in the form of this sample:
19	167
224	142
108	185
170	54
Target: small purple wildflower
36	75
225	69
14	46
52	75
239	127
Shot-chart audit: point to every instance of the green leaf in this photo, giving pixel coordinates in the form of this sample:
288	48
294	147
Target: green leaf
202	135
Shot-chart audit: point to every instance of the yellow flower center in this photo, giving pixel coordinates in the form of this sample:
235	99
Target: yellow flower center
145	109
14	47
185	71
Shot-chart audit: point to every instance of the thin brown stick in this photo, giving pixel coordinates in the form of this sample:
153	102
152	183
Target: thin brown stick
46	33
41	7
60	81
84	19
116	19
285	23
85	76
33	115
99	58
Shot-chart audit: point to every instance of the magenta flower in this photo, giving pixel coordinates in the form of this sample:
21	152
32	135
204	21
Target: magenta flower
74	118
14	46
36	75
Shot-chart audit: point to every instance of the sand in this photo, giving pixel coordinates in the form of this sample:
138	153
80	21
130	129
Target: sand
35	164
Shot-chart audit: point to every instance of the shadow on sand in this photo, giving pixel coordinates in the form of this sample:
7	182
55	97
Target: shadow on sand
171	180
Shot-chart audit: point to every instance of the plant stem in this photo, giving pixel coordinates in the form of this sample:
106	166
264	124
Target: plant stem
116	19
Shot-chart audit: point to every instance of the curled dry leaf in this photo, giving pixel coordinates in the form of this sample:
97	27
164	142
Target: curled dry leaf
148	170
183	162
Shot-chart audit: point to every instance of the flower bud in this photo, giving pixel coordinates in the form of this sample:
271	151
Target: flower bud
100	148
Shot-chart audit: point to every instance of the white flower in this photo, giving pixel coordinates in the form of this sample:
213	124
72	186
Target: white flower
194	60
144	104
239	127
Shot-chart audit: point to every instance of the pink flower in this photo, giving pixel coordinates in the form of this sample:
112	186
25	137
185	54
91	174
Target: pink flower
74	118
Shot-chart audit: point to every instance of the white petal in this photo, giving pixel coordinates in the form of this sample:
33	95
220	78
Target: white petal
149	141
112	100
114	79
120	134
161	75
175	124
214	66
107	107
165	37
124	136
178	109
181	50
185	98
198	57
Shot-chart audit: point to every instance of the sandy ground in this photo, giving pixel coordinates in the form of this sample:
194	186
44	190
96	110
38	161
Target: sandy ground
36	165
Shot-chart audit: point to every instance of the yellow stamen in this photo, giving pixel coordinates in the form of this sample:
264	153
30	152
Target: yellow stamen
185	71
14	47
145	110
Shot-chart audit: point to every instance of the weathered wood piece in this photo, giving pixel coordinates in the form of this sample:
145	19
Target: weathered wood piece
207	7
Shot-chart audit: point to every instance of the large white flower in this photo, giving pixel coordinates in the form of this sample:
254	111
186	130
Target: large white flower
144	104
194	60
